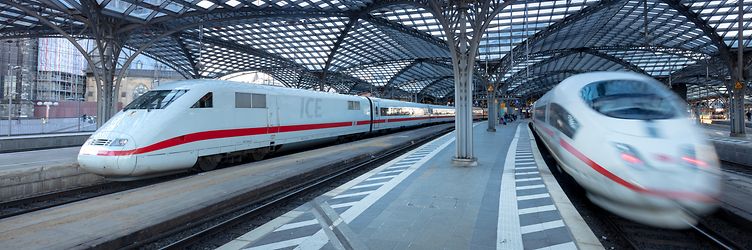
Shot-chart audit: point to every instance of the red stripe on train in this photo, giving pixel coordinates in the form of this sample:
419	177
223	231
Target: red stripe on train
219	134
659	193
227	133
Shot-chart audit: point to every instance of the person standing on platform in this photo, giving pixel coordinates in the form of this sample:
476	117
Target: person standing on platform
749	115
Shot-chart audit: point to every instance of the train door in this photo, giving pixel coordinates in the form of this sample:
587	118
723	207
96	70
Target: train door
378	121
272	117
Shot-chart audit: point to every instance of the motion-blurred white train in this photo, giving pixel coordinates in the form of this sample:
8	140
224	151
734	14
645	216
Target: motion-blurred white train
198	123
626	139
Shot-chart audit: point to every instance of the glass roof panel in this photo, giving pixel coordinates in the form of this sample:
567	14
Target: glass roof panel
378	75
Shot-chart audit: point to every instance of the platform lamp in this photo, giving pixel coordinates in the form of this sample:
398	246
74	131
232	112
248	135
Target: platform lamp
47	113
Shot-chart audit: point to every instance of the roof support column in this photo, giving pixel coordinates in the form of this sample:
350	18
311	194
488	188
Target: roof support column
739	86
490	103
463	41
107	49
463	97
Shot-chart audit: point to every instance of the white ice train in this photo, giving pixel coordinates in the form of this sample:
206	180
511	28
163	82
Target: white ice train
198	123
627	140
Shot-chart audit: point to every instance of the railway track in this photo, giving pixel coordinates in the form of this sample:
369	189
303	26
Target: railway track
31	204
700	236
196	233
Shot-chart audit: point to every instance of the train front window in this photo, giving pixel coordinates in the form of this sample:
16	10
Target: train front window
631	99
156	99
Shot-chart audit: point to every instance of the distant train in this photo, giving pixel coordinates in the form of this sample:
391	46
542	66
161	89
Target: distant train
198	123
627	140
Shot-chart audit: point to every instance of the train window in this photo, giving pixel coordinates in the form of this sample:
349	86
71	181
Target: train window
632	99
259	101
403	111
156	99
204	102
353	105
248	100
242	100
442	111
562	120
540	113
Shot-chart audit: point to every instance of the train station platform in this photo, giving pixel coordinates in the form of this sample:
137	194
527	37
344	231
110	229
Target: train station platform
33	173
736	150
17	143
421	201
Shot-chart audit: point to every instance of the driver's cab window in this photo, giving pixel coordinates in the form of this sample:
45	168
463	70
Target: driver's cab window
204	102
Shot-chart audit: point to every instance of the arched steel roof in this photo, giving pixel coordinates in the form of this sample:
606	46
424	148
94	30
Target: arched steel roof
397	47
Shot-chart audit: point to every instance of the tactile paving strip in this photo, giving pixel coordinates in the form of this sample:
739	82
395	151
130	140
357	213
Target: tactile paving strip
541	224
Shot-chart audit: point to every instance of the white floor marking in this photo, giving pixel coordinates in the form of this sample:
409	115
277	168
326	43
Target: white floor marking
344	204
541	226
379	178
526	173
531	187
368	185
351	195
522	168
580	231
297	225
537	209
280	244
532	196
391	171
508	223
396	167
562	246
528	179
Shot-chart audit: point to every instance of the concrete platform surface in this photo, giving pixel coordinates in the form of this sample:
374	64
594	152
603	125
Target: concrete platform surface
119	219
736	197
37	158
421	201
732	149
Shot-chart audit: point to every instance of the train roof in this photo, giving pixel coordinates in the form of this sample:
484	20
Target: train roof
224	84
580	80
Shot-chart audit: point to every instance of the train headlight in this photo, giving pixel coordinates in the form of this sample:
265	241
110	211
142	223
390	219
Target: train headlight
630	157
689	158
118	142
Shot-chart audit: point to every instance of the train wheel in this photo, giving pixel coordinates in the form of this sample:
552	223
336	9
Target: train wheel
258	155
208	163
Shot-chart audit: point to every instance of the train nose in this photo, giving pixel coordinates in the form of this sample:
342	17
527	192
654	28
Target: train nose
108	154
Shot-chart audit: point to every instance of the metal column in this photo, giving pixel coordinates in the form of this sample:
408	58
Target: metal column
491	107
738	86
463	97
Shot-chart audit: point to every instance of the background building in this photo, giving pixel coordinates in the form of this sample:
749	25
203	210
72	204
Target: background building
18	67
135	83
61	70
